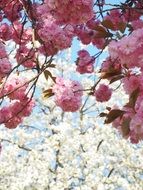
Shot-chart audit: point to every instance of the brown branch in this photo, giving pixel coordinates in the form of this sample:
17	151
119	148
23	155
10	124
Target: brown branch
19	146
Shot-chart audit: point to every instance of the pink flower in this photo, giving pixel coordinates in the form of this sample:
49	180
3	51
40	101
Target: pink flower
26	57
85	62
103	93
3	53
128	50
5	67
14	122
131	83
137	24
84	34
15	6
114	49
99	42
111	66
68	94
71	11
5	114
5	32
12	115
16	33
15	87
54	36
136	128
116	18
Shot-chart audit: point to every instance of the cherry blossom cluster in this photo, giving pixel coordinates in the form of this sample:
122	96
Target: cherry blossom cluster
85	62
68	94
12	115
11	9
130	122
21	105
54	36
127	53
5	65
53	25
103	93
26	57
87	33
71	11
128	50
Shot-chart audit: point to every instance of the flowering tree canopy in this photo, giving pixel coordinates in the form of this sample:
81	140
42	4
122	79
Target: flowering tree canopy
40	30
51	150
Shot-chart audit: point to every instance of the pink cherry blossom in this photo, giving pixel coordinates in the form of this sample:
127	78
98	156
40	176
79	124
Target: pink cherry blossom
103	93
15	88
3	53
26	57
131	83
68	94
5	67
71	11
85	62
11	116
136	127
